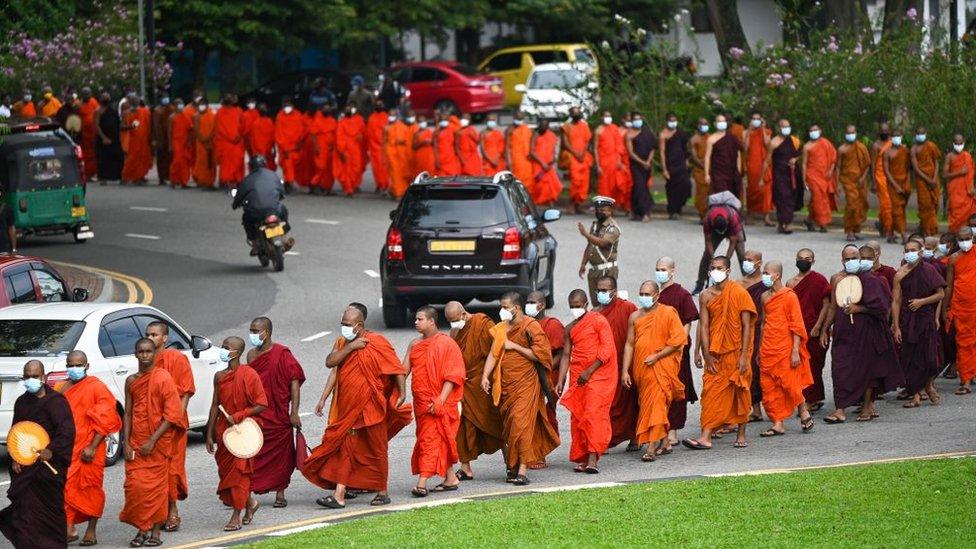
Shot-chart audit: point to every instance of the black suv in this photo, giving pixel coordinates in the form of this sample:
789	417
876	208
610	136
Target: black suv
463	238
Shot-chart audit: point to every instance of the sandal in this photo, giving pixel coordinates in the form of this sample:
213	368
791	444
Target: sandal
740	444
380	499
232	527
912	404
863	419
753	419
815	407
693	444
772	433
139	540
834	420
72	539
539	465
88	542
280	503
153	542
632	447
590	470
249	514
663	450
419	492
807	424
648	457
462	476
331	502
445	488
510	476
935	399
172	524
963	390
522	480
580	468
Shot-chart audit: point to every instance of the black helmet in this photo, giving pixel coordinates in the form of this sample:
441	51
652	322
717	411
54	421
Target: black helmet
258	161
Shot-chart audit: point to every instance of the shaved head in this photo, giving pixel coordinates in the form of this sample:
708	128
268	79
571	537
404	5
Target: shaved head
664	263
774	267
234	343
754	256
874	245
577	299
454	311
806	251
34	368
76	358
352	316
649	287
262	324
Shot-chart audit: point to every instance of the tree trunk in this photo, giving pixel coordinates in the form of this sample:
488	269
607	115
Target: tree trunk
894	13
467	42
849	15
724	17
200	54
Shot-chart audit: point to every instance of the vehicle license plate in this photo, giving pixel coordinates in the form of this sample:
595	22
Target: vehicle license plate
274	231
451	245
79	211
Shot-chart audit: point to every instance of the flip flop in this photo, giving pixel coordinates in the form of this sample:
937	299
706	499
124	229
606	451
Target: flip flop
755	419
815	407
648	458
331	502
692	444
863	419
462	476
807	424
229	528
740	444
72	539
245	520
663	451
88	542
153	542
833	420
172	524
962	390
590	471
419	492
539	465
280	504
580	468
772	433
445	488
521	480
911	404
380	500
139	540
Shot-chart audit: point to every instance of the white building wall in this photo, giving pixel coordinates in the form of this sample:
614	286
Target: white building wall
490	35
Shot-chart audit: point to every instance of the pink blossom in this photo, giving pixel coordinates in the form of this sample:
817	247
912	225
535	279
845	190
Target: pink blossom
912	14
867	90
736	53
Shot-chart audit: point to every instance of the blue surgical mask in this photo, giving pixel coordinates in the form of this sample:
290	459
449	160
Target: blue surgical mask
516	121
786	131
721	126
911	257
645	301
672	124
748	267
491	124
852	266
411	119
348	332
76	373
943	249
767	280
814	134
32	384
255	340
755	122
866	265
637	124
442	123
928	254
223	354
703	128
661	277
896	140
164	101
850	137
603	298
920	138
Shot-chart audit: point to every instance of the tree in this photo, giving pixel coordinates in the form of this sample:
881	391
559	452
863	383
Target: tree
848	15
894	13
724	17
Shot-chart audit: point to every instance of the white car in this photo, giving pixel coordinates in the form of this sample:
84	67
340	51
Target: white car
107	333
553	88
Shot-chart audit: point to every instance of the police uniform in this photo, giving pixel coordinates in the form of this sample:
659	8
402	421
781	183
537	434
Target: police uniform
603	261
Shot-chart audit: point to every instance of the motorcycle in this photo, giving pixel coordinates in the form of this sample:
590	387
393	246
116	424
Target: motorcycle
270	244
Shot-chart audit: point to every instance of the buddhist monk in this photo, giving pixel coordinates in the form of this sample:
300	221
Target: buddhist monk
925	157
958	173
576	140
108	142
467	143
698	143
251	115
237	395
813	291
896	162
853	167
397	142
545	186
437	366
753	283
204	162
480	431
961	314
290	134
673	295
623	411
759	183
375	127
606	143
518	142
25	108
423	148
725	345
918	293
863	357
519	357
625	180
492	147
350	143
878	151
781	156
152	408
446	161
873	256
49	105
261	137
95	417
535	307
655	339
138	158
322	135
86	110
368	394
178	367
819	160
673	147
640	144
783	357
161	116
229	142
590	367
282	377
181	147
723	157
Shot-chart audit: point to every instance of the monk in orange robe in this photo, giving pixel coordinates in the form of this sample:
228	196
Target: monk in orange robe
86	110
784	362
655	340
467	142
290	133
229	142
961	297
492	147
576	140
49	104
438	370
251	115
480	430
323	139
623	411
759	189
396	148
375	128
897	162
819	160
535	307
697	158
625	179
958	174
239	394
878	152
853	166
423	149
446	161
138	158
261	137
518	143
93	409
511	375
607	140
925	168
349	159
25	108
367	411
545	187
152	409
590	366
204	162
181	147
725	343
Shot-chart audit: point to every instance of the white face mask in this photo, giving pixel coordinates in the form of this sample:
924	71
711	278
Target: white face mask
411	119
202	108
288	109
577	312
786	131
957	147
607	120
457	324
672	124
442	123
850	137
721	126
348	332
703	128
755	123
391	119
465	122
491	124
814	134
628	124
965	245
252	106
423	125
718	276
517	122
531	309
748	267
505	315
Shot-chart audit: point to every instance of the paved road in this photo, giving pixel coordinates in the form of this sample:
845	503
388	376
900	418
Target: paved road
200	273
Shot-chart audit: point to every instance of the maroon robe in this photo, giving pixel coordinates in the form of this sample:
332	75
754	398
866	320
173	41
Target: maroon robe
756	292
725	165
679	298
863	353
920	353
887	274
811	291
623	411
275	462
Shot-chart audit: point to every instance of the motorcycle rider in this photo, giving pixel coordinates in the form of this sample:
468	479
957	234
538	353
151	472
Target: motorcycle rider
261	194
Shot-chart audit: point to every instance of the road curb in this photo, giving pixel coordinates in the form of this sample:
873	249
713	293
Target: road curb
112	286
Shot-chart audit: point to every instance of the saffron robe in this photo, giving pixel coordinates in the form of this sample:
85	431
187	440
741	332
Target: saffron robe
480	430
725	395
589	404
783	384
658	385
434	361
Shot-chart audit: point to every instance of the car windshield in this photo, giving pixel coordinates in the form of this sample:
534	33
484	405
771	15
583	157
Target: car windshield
584	56
429	206
466	70
44	338
556	80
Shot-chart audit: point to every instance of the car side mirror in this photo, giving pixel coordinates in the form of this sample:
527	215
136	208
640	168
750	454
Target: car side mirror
521	88
199	344
552	215
392	215
79	294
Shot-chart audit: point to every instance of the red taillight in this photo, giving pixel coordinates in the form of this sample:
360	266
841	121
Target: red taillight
512	248
271	219
81	162
53	378
32	127
394	245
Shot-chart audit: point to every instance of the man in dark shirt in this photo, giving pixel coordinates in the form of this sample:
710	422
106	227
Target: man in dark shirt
320	96
8	233
260	194
722	221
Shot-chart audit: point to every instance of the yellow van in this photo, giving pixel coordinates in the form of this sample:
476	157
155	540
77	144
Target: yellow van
514	64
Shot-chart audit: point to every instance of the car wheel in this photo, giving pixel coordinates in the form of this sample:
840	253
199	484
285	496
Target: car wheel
394	313
113	449
448	106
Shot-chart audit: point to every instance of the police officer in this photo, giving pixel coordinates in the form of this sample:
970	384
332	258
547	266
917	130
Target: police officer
601	248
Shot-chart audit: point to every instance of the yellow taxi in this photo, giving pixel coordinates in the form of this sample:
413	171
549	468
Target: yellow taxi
513	65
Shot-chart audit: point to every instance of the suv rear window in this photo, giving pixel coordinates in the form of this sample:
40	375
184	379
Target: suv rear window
38	337
431	206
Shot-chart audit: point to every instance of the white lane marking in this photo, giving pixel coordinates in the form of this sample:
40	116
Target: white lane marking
322	221
4	483
578	487
147	209
305	414
371	273
293	253
305	528
143	236
313	337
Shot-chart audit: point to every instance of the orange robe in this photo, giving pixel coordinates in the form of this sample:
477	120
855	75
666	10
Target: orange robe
783	384
961	203
349	159
139	156
927	155
468	142
204	163
819	172
556	334
623	411
854	161
323	133
589	404
25	110
546	186
154	400
657	385
579	135
423	153
480	430
229	144
759	194
86	110
519	140
899	167
261	140
726	398
362	420
528	435
93	409
305	166
250	117
397	148
962	314
493	143
290	132
698	174
881	186
433	362
608	143
178	367
238	391
51	107
375	126
446	157
182	144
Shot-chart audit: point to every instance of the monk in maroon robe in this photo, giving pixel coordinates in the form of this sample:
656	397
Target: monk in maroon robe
813	291
673	295
535	307
723	152
753	284
623	411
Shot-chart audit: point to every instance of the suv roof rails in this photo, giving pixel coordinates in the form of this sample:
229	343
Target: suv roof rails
421	177
503	176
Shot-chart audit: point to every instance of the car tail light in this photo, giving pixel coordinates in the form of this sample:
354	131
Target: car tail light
394	245
53	378
81	162
512	248
271	219
32	127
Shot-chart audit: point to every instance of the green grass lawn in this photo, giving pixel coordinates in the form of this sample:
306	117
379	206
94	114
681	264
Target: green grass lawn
905	504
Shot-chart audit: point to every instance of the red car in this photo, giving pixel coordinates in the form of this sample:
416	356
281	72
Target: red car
436	85
26	279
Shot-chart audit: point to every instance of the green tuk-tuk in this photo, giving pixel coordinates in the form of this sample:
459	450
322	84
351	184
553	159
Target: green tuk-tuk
40	174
